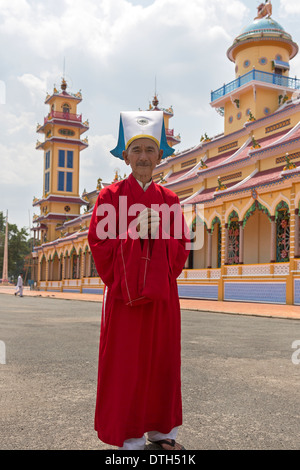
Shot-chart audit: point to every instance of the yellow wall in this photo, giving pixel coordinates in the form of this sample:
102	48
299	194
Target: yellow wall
253	54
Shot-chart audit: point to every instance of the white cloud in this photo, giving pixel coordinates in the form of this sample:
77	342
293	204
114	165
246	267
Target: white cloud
289	7
36	86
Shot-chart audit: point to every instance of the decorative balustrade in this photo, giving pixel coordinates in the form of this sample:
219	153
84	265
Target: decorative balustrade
252	270
198	274
258	75
215	273
233	270
61	115
256	270
207	275
281	269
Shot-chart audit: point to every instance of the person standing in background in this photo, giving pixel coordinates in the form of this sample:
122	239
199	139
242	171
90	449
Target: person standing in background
19	286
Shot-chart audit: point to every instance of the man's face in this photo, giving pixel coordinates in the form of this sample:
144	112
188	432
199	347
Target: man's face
142	155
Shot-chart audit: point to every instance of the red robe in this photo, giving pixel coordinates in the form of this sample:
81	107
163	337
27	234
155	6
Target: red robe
139	384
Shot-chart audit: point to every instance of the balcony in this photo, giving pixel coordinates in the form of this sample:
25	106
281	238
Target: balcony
61	115
257	75
170	132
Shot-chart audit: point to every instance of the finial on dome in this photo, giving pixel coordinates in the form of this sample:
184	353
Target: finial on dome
155	101
63	84
264	9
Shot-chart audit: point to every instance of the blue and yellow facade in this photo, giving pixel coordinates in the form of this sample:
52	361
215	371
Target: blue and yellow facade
241	187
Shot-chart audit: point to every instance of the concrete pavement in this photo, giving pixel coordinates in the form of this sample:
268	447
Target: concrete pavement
240	385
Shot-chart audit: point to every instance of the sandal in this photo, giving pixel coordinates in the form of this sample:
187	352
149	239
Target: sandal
170	443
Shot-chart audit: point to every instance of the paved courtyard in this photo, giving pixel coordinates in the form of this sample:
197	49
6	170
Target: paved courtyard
240	386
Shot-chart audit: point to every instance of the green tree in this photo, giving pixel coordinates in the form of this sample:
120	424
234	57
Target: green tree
18	247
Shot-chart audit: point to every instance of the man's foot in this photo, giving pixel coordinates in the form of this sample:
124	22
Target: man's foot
169	444
15	293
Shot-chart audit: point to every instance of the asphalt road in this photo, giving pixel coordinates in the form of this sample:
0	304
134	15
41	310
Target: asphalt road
240	386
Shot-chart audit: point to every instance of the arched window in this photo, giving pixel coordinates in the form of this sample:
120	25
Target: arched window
282	217
233	238
66	108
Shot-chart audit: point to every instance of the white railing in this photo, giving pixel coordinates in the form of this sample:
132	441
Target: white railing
198	274
215	273
233	270
281	269
256	270
187	275
54	284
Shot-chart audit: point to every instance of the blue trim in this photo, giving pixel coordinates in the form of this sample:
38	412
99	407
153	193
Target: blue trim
196	291
61	181
263	292
71	290
118	150
92	291
69	158
296	291
61	158
258	75
69	181
168	151
281	63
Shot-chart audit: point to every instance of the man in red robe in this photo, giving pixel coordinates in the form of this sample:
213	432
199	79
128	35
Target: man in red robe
138	241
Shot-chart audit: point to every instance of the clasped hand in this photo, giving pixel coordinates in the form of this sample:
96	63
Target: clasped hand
147	223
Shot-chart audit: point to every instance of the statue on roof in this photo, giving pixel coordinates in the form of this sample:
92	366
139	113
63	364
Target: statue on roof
264	9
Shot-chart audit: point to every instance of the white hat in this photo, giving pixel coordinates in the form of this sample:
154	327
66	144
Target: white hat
142	124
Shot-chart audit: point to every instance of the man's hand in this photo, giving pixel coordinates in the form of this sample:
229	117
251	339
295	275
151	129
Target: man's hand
148	223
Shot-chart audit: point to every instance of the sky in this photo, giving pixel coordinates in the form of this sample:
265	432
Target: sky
117	53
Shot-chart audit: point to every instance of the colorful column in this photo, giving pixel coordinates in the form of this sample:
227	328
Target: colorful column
241	242
209	248
273	240
296	233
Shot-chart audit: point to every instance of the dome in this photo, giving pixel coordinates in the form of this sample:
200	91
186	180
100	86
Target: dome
263	25
263	29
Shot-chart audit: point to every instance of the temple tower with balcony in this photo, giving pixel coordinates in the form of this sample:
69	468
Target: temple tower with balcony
62	130
261	54
172	139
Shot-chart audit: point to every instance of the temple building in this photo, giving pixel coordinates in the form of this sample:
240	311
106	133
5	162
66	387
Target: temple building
241	187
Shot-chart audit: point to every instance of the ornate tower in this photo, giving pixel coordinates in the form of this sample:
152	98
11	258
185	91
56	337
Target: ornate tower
168	113
61	147
261	54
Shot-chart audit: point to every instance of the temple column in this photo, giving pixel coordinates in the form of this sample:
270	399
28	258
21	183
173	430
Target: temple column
226	244
62	274
209	248
47	274
84	263
89	266
78	267
296	233
241	242
273	240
